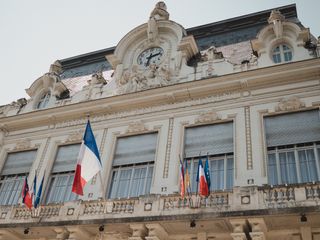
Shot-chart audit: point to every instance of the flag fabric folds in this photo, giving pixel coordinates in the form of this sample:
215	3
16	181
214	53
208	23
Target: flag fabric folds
207	174
34	187
202	182
88	162
182	183
26	196
38	195
187	178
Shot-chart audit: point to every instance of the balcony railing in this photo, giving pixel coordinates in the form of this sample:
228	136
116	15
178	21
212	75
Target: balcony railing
240	199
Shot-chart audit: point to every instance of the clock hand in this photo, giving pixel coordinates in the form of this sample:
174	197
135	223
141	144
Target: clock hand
150	57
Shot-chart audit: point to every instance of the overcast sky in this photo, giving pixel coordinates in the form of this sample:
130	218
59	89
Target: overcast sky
35	33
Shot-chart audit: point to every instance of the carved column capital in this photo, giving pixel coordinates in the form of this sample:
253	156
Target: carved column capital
257	225
258	235
238	236
62	233
78	233
139	231
156	232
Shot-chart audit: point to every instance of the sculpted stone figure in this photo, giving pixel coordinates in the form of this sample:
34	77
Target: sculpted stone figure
158	13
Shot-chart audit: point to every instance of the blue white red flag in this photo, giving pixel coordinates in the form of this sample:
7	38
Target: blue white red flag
202	182
89	163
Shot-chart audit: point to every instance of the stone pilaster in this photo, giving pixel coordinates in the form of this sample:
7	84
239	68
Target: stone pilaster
239	227
258	228
62	233
139	231
78	233
156	232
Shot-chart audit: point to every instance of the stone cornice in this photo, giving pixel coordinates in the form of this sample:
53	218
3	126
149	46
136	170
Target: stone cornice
255	79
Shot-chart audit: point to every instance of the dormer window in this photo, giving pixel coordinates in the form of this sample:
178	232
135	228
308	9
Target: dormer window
282	53
43	102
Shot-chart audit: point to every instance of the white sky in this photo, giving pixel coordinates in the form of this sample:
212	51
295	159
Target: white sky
35	33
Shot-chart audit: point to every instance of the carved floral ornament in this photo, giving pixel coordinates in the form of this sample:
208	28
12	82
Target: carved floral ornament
207	117
23	144
137	126
290	104
74	137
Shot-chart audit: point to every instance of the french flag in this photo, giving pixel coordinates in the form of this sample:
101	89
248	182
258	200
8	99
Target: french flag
202	181
89	163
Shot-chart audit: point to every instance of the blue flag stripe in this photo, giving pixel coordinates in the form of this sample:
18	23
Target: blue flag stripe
90	141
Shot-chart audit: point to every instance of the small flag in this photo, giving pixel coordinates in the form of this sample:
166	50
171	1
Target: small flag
38	197
26	197
207	173
187	178
89	163
202	182
34	188
182	184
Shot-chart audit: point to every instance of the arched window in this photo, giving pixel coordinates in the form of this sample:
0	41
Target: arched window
43	102
282	53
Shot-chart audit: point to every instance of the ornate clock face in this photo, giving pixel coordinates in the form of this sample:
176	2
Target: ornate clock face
150	56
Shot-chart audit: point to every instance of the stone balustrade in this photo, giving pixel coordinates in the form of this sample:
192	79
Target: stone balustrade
240	199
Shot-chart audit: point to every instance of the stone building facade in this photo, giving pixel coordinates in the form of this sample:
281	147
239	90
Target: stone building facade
244	93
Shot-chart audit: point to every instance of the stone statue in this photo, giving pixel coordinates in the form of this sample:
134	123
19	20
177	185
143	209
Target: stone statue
158	13
276	18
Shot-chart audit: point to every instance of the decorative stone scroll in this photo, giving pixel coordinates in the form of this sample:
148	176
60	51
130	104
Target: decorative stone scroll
290	104
74	137
23	144
135	127
207	117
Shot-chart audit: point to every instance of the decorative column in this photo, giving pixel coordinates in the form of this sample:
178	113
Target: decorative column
78	233
239	227
139	231
156	232
62	233
259	228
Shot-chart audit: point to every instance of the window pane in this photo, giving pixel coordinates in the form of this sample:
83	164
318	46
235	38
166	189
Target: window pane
307	166
10	190
230	171
138	181
272	169
217	179
113	186
149	179
124	182
61	188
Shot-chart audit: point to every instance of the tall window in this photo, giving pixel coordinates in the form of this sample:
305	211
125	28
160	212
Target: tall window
132	167
15	169
293	144
61	179
282	53
216	142
44	100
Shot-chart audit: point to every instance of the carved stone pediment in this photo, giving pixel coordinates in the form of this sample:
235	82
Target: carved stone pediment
135	127
23	144
207	117
137	69
290	104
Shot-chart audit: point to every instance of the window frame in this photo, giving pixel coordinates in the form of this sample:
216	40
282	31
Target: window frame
54	175
132	166
15	178
284	49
